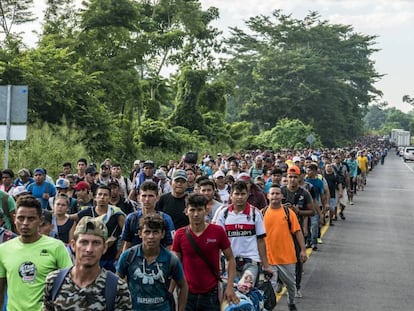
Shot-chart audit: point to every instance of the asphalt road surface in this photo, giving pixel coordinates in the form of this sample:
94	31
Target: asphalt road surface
366	262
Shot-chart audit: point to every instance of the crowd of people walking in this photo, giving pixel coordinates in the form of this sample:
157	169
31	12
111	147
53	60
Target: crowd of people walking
164	237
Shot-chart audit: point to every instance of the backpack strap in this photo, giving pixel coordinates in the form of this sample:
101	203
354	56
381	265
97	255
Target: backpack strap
131	255
298	193
133	224
126	186
111	291
57	284
173	264
286	209
226	213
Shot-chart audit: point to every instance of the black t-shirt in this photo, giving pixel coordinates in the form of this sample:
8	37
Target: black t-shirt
63	230
126	206
332	180
175	208
300	197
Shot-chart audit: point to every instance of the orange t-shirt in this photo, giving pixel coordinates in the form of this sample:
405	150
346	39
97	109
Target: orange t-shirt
280	247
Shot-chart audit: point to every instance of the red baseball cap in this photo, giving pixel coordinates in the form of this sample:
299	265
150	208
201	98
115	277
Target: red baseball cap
81	186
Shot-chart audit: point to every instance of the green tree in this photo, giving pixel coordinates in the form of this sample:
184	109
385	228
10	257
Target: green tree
397	119
287	134
306	69
187	113
408	99
375	117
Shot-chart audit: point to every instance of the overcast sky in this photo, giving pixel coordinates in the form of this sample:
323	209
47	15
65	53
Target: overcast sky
391	20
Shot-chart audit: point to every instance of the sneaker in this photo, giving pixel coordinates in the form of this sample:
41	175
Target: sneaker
314	247
298	294
351	202
342	216
292	307
320	241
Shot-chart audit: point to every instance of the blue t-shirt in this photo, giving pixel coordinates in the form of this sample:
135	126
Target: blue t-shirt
130	230
267	186
38	191
318	187
353	167
149	284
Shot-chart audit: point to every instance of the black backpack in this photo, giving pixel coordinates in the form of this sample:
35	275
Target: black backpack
339	174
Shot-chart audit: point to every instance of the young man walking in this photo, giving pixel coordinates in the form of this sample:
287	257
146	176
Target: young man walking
243	224
114	220
84	286
148	196
202	267
27	260
149	269
281	223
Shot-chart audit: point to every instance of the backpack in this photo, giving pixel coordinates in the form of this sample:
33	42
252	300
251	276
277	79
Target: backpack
111	286
171	267
339	174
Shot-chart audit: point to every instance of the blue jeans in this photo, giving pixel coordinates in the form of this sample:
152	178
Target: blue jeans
314	229
203	302
332	204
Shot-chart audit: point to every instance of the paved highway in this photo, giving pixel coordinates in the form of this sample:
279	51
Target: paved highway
367	261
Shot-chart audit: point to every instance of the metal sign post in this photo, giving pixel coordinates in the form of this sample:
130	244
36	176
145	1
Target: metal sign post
13	115
8	127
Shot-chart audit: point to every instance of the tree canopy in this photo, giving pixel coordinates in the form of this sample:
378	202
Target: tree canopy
142	77
307	69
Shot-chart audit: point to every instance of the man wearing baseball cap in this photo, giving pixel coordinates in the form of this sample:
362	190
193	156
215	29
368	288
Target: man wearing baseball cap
173	203
147	174
41	188
62	187
83	195
88	245
301	203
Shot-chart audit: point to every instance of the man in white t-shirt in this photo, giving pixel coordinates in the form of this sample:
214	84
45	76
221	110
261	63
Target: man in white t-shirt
222	188
243	224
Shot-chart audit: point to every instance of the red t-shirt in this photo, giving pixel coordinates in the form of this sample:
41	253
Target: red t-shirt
199	277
